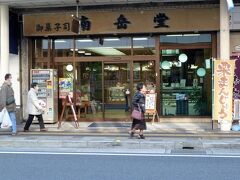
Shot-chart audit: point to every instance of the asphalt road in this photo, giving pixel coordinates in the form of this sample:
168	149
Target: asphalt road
116	167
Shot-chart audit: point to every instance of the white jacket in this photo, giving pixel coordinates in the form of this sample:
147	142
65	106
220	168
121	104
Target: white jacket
33	105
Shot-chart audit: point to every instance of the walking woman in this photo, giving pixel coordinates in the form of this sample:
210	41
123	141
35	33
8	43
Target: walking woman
138	102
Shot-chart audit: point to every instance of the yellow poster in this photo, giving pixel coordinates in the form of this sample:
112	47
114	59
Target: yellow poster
223	89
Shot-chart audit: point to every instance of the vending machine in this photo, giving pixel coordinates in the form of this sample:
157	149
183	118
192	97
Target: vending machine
48	92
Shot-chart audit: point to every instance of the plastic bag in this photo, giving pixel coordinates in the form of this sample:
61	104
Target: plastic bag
1	116
6	121
236	127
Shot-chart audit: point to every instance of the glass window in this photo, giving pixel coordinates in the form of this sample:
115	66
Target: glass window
89	88
111	46
41	48
63	47
116	83
144	46
185	38
144	71
186	82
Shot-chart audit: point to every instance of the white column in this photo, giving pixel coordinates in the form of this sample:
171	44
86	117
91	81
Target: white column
224	31
4	41
224	47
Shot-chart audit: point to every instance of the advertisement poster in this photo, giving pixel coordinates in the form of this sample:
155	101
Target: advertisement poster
223	89
150	102
236	92
65	87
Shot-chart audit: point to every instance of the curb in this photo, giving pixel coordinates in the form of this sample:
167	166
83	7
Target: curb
125	134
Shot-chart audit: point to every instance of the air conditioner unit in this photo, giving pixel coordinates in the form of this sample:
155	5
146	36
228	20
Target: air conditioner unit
236	114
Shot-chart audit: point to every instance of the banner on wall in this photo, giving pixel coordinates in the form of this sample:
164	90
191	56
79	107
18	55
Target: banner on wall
236	92
223	89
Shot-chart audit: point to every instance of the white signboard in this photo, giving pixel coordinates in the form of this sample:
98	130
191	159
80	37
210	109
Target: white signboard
150	102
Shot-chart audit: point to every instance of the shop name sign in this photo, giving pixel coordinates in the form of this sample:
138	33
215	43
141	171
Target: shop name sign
106	22
84	24
223	89
49	27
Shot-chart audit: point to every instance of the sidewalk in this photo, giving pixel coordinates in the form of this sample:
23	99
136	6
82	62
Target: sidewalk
121	129
160	138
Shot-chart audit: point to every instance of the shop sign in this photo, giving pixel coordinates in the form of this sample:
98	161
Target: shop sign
223	89
122	22
160	19
236	93
49	27
106	22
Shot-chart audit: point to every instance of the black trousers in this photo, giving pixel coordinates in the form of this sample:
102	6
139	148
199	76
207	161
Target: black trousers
30	119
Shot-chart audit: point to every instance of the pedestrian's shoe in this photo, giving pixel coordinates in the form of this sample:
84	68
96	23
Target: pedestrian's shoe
131	134
14	134
25	130
141	136
43	129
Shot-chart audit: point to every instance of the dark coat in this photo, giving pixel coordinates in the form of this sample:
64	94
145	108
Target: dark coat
139	99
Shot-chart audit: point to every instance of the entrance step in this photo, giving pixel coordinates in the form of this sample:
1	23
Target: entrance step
186	119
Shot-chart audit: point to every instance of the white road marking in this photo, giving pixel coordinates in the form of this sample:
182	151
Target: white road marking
119	154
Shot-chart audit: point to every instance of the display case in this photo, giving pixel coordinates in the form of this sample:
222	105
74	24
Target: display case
116	94
180	101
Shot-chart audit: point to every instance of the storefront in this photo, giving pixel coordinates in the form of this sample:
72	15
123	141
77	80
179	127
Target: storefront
171	53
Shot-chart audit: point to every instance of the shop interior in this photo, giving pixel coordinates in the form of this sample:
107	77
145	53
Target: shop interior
102	84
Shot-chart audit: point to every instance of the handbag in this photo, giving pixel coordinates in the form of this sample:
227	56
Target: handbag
137	114
10	100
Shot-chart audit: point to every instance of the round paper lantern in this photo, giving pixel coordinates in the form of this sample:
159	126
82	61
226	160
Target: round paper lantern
69	67
201	72
165	65
182	58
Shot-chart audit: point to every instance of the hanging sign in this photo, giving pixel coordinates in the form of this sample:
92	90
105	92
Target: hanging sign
223	89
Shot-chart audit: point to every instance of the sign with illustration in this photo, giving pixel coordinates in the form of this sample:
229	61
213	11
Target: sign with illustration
150	102
223	89
65	87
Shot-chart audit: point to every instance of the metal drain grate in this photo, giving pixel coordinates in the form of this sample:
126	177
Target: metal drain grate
187	147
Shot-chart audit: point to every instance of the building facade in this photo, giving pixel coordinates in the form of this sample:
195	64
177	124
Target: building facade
170	49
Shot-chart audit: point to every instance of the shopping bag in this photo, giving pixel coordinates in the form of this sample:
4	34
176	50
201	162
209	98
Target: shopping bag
6	121
1	116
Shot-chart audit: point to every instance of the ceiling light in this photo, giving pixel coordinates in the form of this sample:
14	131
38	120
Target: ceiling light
69	67
201	72
59	41
191	34
72	49
173	35
165	65
106	51
182	58
111	39
81	52
140	39
85	40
